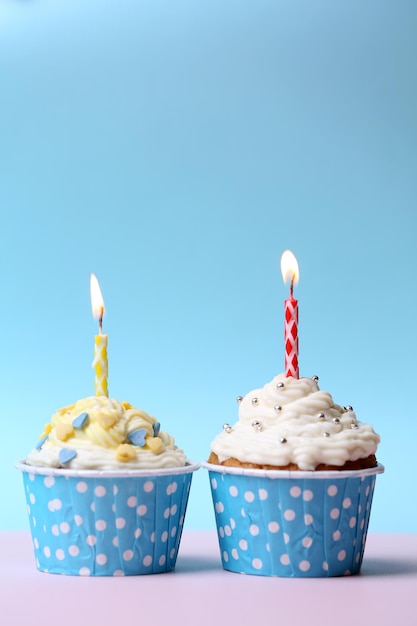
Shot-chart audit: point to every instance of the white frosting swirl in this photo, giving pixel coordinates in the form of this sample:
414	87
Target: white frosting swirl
103	442
292	421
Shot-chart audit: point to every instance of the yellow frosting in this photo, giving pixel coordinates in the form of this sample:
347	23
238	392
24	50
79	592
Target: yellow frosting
113	435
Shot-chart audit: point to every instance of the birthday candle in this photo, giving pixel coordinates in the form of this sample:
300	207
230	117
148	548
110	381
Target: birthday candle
100	363
289	269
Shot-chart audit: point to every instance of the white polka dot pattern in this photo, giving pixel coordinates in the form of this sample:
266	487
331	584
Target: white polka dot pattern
107	526
292	527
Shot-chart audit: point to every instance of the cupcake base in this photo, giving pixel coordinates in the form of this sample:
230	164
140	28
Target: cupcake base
292	524
98	523
369	461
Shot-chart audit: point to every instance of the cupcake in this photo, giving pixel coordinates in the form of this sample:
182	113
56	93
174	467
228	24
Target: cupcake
106	491
292	483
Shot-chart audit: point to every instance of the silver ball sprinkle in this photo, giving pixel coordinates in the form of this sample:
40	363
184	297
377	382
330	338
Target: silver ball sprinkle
315	378
254	400
257	425
239	399
354	426
336	420
326	434
227	428
277	408
321	416
348	408
283	440
280	385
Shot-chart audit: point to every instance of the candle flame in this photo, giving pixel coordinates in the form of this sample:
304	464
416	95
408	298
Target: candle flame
289	267
97	302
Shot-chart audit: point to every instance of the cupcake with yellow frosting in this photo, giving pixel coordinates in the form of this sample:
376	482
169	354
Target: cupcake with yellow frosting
106	490
292	482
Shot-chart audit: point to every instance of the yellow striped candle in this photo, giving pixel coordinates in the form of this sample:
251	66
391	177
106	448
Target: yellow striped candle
99	364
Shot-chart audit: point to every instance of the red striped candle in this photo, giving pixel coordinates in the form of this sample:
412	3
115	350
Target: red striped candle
289	269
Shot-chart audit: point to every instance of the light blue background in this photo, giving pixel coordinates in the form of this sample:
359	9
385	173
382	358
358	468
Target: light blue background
175	149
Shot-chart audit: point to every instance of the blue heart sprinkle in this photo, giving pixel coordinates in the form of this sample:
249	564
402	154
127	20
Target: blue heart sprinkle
41	442
66	455
137	437
156	429
80	421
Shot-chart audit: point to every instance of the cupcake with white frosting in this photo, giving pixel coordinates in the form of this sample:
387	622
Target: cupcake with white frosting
292	482
107	490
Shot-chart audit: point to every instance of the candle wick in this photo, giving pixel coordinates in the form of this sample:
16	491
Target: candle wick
291	287
100	322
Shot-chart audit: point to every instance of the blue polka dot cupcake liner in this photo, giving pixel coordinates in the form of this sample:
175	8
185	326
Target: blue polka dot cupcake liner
292	524
98	523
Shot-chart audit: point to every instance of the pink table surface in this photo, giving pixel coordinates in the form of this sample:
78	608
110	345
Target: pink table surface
200	592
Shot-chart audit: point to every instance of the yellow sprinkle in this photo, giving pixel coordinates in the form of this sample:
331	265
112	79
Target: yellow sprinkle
125	452
63	431
155	444
106	421
46	430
